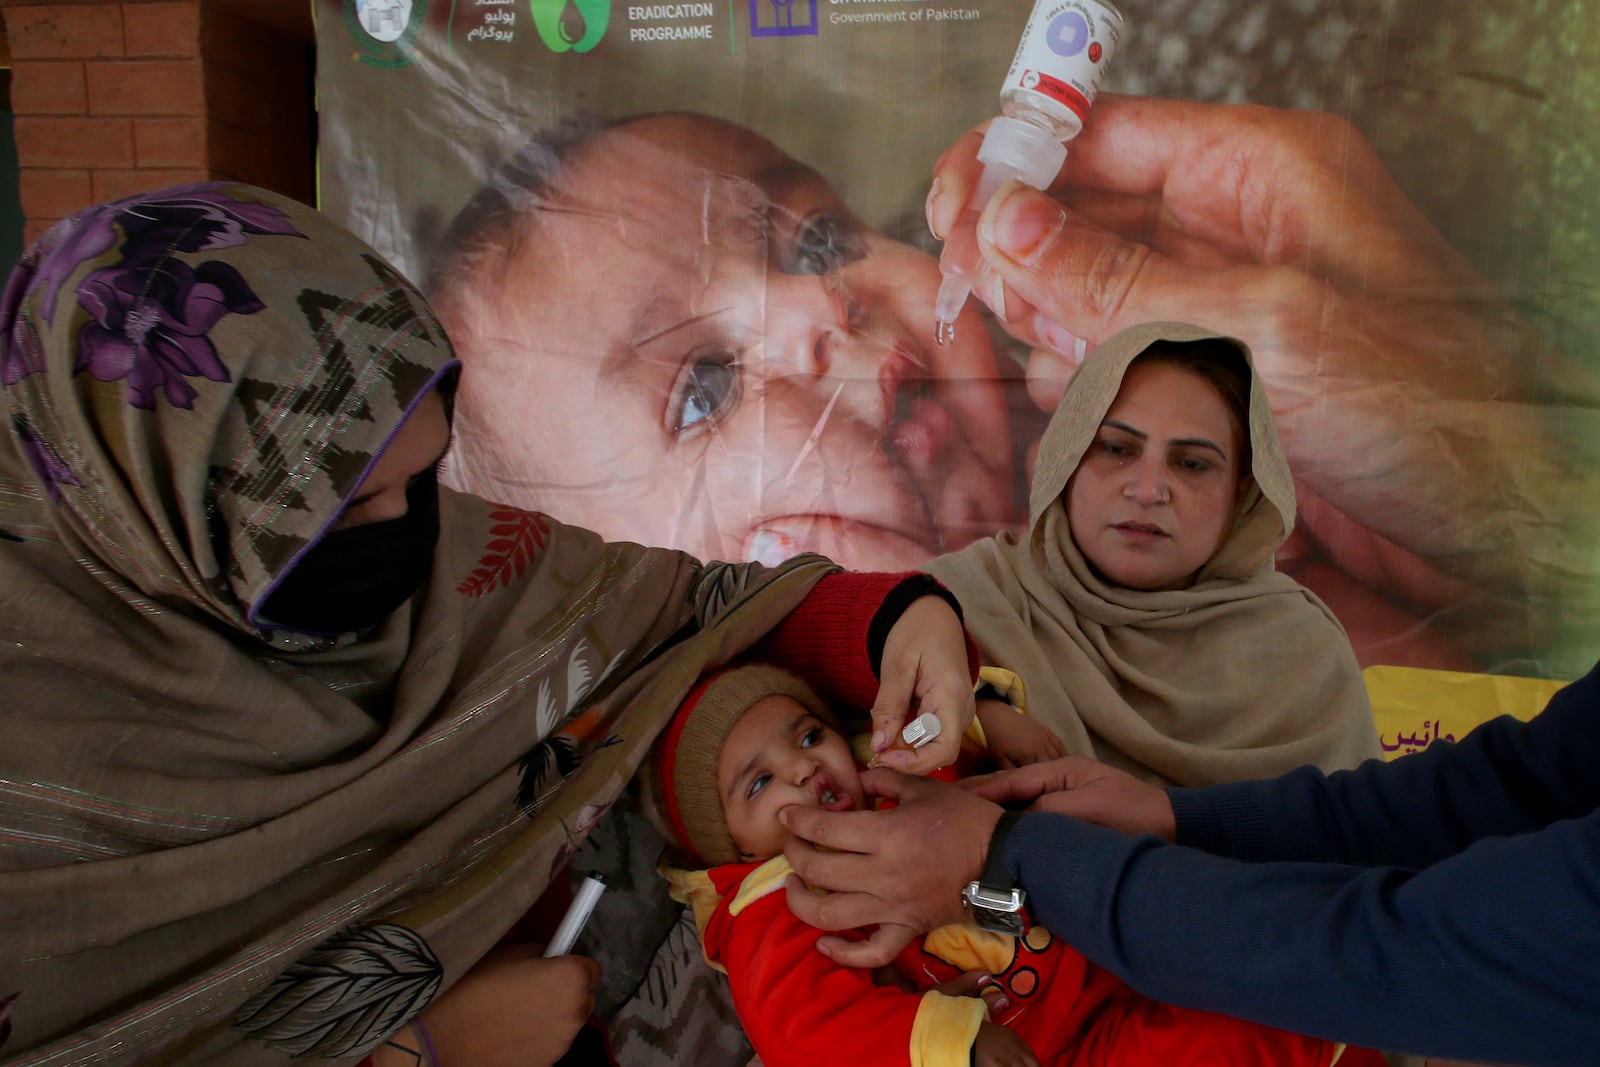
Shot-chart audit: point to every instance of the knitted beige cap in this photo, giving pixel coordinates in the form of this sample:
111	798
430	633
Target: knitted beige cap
682	797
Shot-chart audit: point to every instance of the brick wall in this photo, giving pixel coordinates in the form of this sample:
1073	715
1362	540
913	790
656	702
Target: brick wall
114	98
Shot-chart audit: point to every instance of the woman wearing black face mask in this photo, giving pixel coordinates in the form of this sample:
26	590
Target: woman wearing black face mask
289	736
361	571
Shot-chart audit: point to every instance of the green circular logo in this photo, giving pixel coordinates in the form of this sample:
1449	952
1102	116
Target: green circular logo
570	25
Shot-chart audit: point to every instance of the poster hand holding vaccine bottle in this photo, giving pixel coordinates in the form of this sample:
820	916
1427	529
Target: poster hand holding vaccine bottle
1060	63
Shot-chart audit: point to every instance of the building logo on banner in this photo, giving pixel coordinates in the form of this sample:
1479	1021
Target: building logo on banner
570	25
385	30
783	18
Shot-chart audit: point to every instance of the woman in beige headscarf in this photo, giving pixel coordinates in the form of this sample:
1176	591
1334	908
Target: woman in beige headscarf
1143	612
289	737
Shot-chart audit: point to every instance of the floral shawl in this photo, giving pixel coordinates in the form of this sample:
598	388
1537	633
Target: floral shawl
219	842
1242	675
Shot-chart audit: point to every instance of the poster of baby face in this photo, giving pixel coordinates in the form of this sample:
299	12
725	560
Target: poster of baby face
690	256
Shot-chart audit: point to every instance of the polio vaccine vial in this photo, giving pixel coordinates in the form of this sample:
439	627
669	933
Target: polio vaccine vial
1060	63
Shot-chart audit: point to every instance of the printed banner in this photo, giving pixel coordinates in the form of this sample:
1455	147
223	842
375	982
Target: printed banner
682	249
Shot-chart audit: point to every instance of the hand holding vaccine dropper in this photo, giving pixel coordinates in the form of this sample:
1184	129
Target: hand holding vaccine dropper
1012	148
1060	62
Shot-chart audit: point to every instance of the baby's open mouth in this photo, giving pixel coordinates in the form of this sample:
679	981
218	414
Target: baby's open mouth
830	796
915	422
905	398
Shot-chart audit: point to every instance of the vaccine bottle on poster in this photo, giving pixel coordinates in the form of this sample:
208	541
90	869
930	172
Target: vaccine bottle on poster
1060	62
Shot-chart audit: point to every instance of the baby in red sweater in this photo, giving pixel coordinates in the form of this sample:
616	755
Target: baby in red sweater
751	741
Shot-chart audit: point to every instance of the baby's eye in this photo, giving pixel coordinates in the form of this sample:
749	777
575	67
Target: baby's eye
811	737
757	784
708	388
822	245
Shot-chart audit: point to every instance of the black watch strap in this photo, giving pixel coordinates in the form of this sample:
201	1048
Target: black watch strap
995	875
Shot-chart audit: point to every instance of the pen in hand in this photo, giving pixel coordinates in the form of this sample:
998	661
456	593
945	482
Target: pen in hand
590	1047
578	913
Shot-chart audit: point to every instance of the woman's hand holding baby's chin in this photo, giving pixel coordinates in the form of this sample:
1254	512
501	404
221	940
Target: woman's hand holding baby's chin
900	870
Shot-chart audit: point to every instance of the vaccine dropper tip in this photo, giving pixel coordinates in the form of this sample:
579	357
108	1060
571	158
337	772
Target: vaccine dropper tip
953	290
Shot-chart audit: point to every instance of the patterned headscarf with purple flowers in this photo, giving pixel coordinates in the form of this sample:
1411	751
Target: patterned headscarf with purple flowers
223	843
194	348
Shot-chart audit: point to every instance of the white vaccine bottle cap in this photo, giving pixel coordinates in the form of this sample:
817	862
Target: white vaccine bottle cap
1016	148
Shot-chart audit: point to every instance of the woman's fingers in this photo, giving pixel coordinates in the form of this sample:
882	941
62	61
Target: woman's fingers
954	176
902	866
1094	283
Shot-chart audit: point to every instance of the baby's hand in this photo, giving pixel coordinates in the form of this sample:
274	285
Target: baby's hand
1015	740
890	976
996	1046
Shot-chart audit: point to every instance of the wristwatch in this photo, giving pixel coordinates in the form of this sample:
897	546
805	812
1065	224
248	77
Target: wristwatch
993	901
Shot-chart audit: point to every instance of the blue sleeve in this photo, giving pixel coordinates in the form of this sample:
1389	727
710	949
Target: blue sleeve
1491	952
1506	777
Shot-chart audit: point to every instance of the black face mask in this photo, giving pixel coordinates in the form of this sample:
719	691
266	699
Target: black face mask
356	577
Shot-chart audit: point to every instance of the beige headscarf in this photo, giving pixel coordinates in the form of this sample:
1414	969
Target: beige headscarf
1241	675
223	842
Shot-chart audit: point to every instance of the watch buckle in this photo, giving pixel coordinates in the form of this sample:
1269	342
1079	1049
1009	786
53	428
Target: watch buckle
989	899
